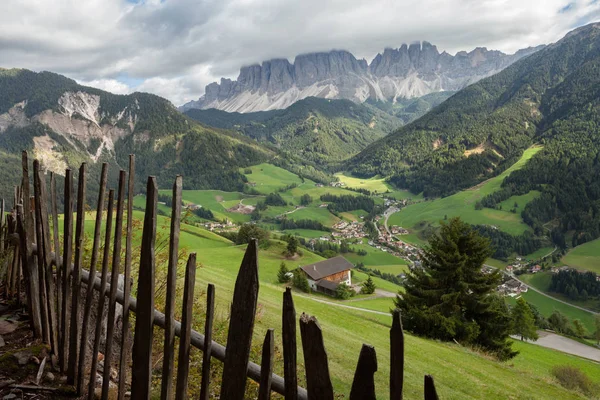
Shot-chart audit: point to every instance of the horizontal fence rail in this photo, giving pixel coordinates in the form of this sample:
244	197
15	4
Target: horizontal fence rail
61	296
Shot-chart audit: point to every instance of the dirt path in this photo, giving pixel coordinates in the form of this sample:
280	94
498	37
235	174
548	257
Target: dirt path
566	345
342	305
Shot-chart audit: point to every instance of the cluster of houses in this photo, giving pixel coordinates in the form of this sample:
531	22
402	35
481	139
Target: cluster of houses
512	288
226	226
337	184
349	230
398	230
523	266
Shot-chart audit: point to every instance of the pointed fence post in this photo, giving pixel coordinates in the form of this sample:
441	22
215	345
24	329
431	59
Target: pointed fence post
74	337
114	283
101	299
127	282
207	351
59	291
363	386
429	388
266	366
144	324
169	346
241	325
89	298
318	381
396	357
183	362
290	352
66	269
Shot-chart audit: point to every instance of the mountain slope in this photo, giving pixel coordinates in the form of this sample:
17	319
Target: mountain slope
406	72
314	129
551	98
63	124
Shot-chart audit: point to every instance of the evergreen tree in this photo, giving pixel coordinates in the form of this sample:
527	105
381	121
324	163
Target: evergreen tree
305	199
343	291
451	298
579	329
368	287
282	274
292	246
300	281
523	320
597	333
558	321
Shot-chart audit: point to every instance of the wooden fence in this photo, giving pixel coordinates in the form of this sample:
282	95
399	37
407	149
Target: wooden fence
54	280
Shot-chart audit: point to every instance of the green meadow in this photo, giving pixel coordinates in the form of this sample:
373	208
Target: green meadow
463	204
585	257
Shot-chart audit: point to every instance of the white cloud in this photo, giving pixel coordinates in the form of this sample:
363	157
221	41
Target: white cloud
110	85
175	47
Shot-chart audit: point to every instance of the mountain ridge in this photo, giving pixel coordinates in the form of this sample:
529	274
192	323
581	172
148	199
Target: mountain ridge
406	72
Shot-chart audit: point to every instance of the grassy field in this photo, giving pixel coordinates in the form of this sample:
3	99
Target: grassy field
463	204
585	257
269	178
375	184
218	202
547	306
460	373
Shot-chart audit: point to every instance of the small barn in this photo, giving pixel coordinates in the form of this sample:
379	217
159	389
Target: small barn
325	276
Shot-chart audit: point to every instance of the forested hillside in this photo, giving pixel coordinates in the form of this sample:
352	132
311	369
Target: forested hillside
63	124
551	98
318	130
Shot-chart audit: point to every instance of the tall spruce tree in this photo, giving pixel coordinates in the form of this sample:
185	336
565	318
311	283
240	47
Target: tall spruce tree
451	298
523	320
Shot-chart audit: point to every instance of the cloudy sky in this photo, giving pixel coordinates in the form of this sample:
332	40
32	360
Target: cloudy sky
173	48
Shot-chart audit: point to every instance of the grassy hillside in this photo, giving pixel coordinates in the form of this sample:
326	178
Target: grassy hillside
460	373
585	257
319	130
463	204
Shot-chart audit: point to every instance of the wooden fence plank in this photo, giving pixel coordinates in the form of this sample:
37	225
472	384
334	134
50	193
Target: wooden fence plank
318	381
363	386
101	299
169	345
266	366
41	257
42	211
396	357
29	237
127	282
66	268
183	361
31	282
76	278
429	388
144	324
114	283
290	352
241	325
207	348
56	242
89	298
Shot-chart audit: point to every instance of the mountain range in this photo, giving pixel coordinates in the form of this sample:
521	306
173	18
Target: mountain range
549	99
406	72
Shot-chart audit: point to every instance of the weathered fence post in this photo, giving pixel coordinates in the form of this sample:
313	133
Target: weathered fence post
144	324
290	374
169	346
241	325
101	298
54	209
114	283
76	278
127	282
66	268
363	386
318	381
186	329
429	388
89	298
266	366
396	357
207	351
